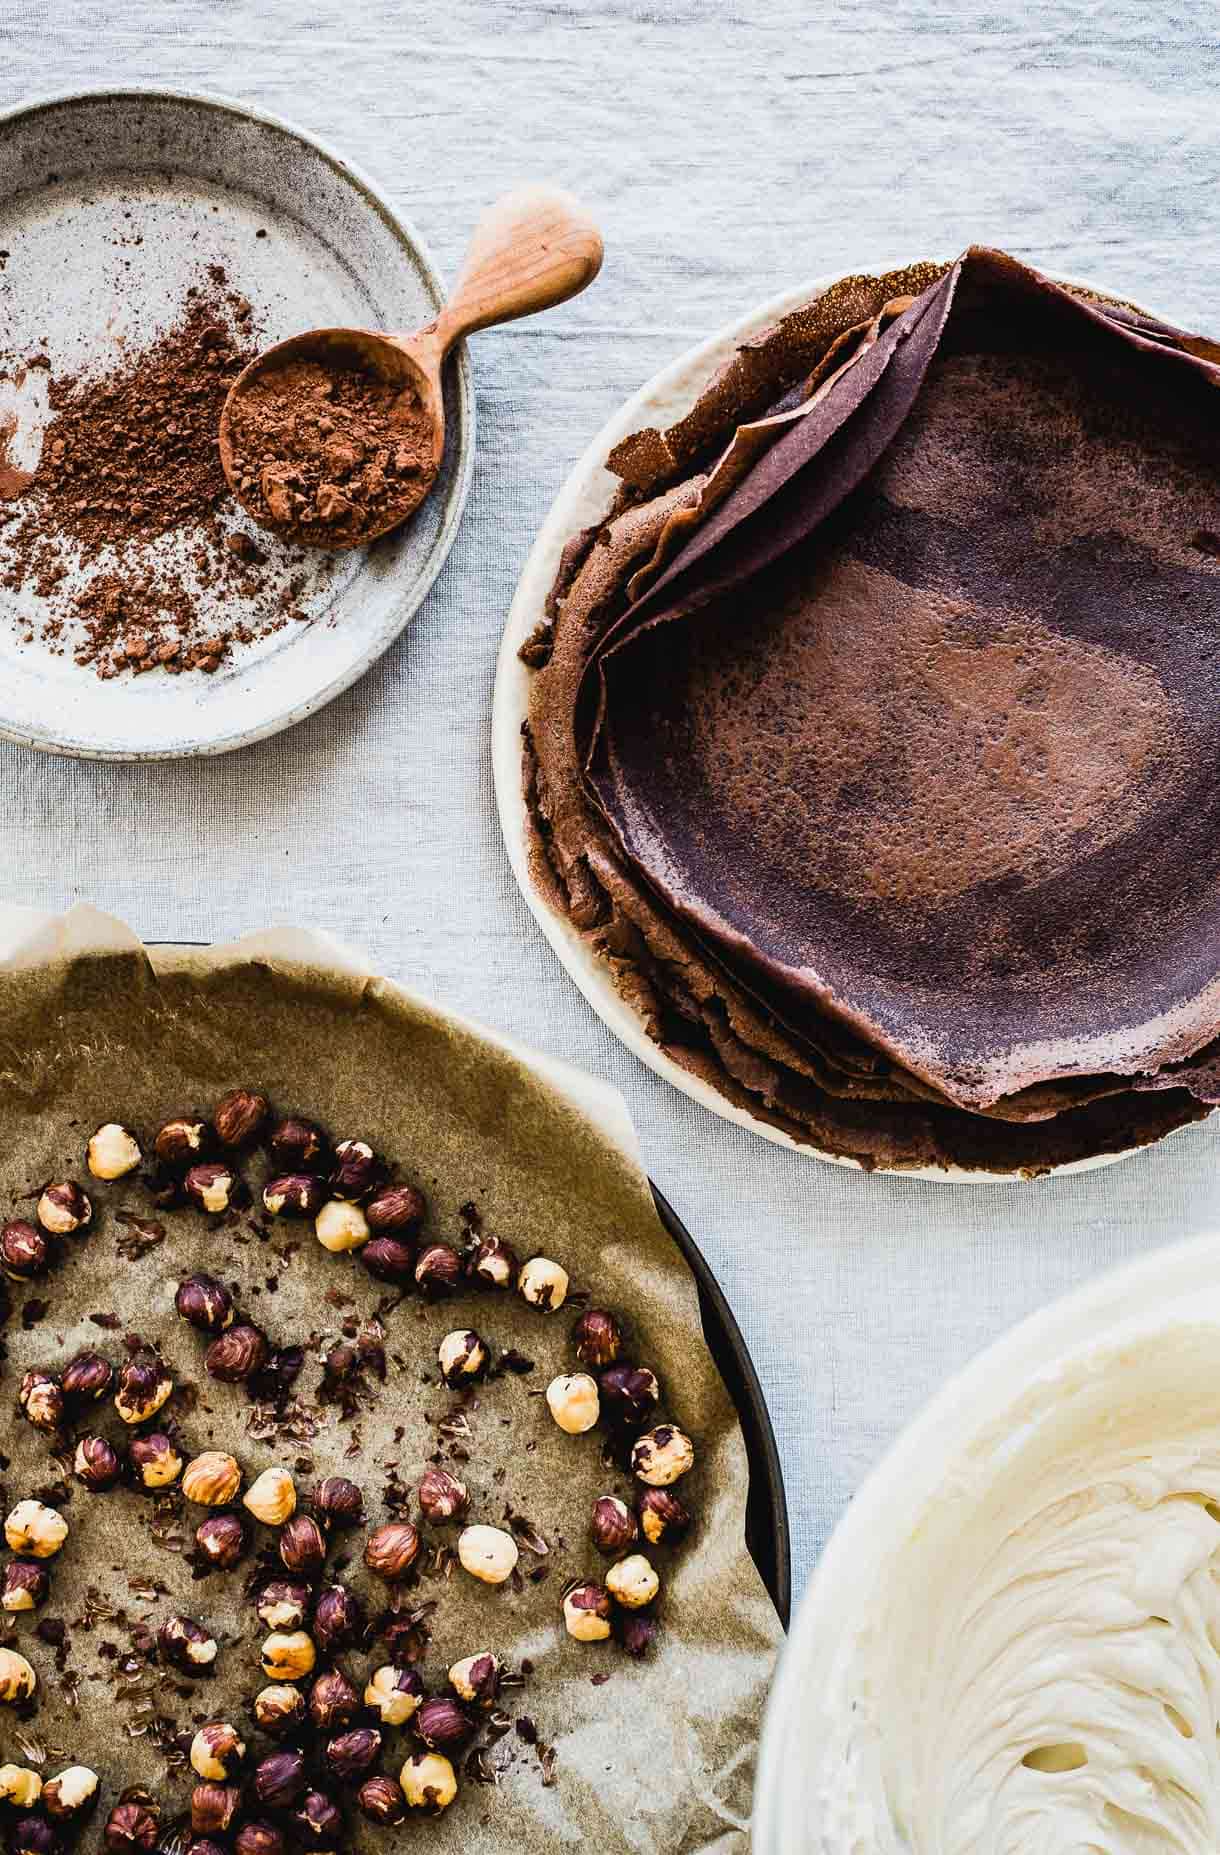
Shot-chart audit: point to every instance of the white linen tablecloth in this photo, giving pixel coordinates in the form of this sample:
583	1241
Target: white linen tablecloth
731	148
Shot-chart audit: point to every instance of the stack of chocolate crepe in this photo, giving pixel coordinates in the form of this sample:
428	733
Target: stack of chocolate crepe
874	737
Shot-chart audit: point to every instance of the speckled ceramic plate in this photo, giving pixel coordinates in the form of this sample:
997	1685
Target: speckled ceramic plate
112	205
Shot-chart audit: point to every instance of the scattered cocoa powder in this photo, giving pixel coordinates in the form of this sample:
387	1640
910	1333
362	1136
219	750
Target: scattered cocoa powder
327	454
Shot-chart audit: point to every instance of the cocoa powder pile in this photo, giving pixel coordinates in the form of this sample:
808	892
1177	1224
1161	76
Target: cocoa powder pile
328	454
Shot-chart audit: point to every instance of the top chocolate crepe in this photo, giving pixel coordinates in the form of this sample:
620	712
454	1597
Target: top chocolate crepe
912	717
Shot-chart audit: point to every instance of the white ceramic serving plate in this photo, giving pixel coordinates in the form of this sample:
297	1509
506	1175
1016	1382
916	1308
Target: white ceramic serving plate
113	204
584	499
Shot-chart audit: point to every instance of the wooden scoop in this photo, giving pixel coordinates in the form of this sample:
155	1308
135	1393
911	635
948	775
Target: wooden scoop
535	247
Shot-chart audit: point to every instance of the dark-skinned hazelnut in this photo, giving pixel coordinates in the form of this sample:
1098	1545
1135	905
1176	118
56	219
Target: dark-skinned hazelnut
182	1142
25	1252
132	1824
463	1358
338	1619
380	1799
297	1145
443	1725
438	1271
636	1630
294	1194
357	1171
318	1821
215	1188
396	1210
587	1612
238	1117
663	1517
236	1354
302	1545
96	1464
68	1797
213	1807
221	1540
350	1755
333	1701
25	1585
280	1778
259	1838
185	1644
279	1710
205	1303
41	1400
33	1835
283	1603
155	1462
338	1502
496	1263
476	1678
64	1208
391	1550
630	1396
613	1527
598	1338
441	1495
86	1378
387	1259
143	1385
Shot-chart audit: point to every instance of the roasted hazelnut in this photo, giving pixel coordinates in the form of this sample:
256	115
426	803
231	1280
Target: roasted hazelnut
24	1586
441	1495
144	1385
35	1529
113	1151
236	1354
341	1226
294	1194
212	1479
318	1821
132	1825
213	1807
214	1187
394	1694
272	1498
280	1778
283	1603
488	1554
70	1794
279	1710
33	1835
288	1655
663	1517
443	1725
357	1171
25	1252
17	1678
258	1838
428	1783
41	1400
221	1540
297	1145
613	1527
20	1786
389	1260
238	1117
380	1799
543	1284
635	1630
349	1755
391	1550
476	1678
217	1750
86	1379
438	1271
463	1358
302	1545
396	1210
205	1303
662	1456
598	1339
573	1402
586	1613
495	1263
64	1208
155	1462
338	1618
633	1582
96	1464
181	1142
187	1645
338	1502
630	1396
333	1701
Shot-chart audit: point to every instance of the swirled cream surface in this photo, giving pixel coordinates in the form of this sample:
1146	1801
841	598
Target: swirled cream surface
1037	1670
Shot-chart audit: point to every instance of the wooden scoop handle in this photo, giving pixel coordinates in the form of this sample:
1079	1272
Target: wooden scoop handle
534	248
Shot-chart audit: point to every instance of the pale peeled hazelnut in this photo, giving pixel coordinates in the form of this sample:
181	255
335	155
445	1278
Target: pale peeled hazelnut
41	1400
216	1750
64	1208
341	1226
394	1694
17	1678
587	1613
113	1151
272	1498
155	1461
35	1529
662	1456
19	1785
488	1553
212	1479
288	1655
543	1284
573	1402
633	1582
279	1710
476	1678
70	1793
428	1782
463	1358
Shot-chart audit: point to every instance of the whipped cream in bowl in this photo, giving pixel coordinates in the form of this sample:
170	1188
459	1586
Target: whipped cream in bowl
1012	1644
